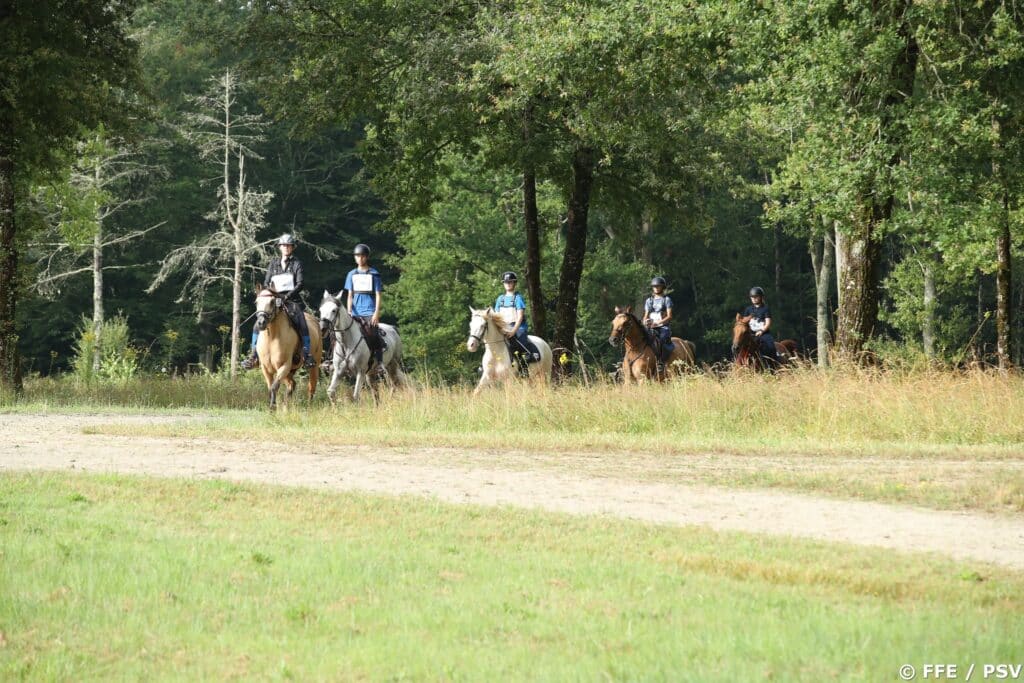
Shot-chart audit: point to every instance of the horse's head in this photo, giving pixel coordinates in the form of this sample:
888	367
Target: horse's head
268	303
623	321
478	321
741	336
329	307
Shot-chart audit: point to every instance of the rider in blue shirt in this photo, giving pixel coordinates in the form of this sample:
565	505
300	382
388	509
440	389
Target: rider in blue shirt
365	291
760	322
657	315
511	307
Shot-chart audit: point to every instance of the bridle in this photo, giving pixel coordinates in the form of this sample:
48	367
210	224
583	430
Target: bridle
339	336
264	318
621	333
483	331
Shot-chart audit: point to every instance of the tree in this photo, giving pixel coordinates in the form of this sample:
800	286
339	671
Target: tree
224	136
66	65
104	180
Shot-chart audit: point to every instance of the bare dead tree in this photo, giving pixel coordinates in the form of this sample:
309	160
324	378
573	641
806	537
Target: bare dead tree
224	134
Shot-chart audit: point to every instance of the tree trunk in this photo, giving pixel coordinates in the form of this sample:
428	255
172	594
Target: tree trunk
575	252
928	323
821	263
646	235
859	281
777	270
10	363
1004	290
97	293
533	254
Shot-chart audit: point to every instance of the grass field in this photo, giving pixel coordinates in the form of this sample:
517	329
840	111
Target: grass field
118	578
940	439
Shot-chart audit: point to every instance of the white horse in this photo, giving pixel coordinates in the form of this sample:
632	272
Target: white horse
486	327
351	354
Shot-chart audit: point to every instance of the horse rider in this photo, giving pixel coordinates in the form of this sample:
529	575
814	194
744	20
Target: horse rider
365	291
284	276
512	309
657	316
760	323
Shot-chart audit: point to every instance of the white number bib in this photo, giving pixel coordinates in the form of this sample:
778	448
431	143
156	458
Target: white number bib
508	314
362	283
285	282
655	317
756	325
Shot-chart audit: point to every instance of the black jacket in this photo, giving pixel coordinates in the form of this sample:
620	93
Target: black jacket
294	267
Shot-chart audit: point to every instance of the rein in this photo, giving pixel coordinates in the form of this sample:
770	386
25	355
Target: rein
340	338
632	322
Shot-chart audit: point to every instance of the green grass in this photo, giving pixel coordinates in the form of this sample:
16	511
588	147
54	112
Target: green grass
117	578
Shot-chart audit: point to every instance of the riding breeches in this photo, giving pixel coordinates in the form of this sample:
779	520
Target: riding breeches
664	335
767	343
298	317
522	340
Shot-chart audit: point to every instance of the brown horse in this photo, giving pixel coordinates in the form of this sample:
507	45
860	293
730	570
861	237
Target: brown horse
280	349
640	362
746	349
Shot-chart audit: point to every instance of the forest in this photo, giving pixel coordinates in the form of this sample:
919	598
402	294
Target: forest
859	160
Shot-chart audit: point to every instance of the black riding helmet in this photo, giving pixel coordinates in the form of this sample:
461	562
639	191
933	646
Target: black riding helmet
509	276
361	249
659	282
757	291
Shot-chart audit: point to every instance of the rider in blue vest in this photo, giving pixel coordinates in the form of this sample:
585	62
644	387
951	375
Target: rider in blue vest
657	315
365	294
284	276
511	307
760	322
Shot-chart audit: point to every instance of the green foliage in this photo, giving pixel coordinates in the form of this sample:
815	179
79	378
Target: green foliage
109	356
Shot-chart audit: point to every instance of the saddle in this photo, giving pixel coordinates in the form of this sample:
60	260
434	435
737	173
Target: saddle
376	338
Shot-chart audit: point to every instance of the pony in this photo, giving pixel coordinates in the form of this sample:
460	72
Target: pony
485	327
639	362
351	353
280	349
746	349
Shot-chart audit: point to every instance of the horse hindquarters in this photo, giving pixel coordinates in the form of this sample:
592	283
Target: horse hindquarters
542	368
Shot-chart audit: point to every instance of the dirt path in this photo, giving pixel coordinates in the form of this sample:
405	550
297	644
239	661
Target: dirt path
56	442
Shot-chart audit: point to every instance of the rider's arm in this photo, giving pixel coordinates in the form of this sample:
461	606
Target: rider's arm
647	312
347	288
376	311
666	316
266	278
767	324
297	275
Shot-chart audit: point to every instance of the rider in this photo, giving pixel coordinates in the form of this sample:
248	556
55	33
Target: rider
760	323
284	276
364	286
657	315
511	307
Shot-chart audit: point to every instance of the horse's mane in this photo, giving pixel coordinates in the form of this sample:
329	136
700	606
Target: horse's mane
266	291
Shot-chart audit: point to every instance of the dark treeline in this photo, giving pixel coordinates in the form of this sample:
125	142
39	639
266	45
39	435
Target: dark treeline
861	161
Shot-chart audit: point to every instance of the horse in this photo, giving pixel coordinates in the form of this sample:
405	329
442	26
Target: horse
279	347
746	348
351	353
485	327
640	362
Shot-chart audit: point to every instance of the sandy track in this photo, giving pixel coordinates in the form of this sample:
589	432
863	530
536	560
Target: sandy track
56	442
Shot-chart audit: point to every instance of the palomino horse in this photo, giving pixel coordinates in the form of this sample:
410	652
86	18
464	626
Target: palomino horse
485	327
351	354
746	348
640	362
280	348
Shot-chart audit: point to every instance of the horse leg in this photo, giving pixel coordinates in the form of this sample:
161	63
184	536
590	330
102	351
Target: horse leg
332	389
360	379
484	381
314	376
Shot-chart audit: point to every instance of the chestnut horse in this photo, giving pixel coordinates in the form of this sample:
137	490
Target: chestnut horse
639	362
746	348
279	346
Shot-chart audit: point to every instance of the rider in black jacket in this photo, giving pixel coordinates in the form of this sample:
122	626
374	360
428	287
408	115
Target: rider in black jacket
284	276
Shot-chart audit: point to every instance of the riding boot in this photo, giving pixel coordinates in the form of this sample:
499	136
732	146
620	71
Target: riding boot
253	360
307	356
